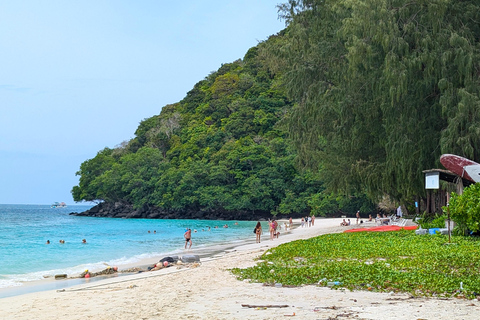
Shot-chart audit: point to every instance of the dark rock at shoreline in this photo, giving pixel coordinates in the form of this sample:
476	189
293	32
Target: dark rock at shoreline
121	210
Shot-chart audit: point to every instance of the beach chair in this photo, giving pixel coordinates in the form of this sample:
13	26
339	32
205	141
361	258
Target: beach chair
400	222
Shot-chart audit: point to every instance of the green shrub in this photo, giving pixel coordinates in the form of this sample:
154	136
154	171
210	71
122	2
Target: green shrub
437	221
465	208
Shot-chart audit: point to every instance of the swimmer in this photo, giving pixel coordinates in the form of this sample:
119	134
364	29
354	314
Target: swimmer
84	241
188	238
62	241
48	242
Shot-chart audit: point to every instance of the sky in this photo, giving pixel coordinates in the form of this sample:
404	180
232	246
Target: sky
79	76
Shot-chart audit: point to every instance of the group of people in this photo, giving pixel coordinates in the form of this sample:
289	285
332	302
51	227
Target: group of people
359	219
379	219
273	228
188	234
63	241
308	221
382	220
347	222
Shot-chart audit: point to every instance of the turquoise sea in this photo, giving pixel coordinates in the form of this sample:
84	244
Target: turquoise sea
25	257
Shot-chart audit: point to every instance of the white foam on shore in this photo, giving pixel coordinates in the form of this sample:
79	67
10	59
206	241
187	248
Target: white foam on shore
15	280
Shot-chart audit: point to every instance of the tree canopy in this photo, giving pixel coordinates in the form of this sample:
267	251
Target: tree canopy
384	87
347	105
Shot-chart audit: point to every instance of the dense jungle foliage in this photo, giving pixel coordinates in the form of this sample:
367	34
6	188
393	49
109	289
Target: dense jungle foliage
384	87
222	148
352	100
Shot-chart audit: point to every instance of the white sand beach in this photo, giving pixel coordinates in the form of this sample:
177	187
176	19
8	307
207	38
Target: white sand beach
210	291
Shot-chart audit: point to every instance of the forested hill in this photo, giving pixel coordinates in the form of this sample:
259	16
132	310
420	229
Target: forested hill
377	91
221	152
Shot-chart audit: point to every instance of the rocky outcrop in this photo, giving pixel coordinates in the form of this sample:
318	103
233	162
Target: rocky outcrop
122	210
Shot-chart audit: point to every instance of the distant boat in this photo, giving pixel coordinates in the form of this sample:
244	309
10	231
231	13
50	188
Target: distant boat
59	205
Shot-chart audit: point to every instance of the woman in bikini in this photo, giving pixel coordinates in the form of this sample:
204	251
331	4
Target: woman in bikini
258	231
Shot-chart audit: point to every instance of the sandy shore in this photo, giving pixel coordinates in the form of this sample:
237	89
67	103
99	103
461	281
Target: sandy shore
210	291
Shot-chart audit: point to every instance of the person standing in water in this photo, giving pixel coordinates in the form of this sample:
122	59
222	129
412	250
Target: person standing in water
258	231
188	238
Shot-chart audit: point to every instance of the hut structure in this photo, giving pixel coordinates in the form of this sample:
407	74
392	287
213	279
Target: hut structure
439	197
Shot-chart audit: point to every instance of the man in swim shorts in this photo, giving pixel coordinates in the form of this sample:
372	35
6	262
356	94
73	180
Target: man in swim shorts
188	238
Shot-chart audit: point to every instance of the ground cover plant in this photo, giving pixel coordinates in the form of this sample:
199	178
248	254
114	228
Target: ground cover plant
378	261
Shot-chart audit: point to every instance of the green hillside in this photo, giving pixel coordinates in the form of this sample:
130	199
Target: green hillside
354	99
223	148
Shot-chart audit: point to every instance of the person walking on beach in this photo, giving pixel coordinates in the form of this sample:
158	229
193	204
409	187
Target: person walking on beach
271	229
358	216
258	231
188	238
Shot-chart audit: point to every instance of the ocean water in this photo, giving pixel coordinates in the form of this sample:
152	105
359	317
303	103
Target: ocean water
25	256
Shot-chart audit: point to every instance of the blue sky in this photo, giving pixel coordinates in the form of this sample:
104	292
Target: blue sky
79	76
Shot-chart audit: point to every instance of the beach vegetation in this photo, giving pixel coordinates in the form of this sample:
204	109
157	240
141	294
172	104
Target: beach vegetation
375	261
465	209
429	221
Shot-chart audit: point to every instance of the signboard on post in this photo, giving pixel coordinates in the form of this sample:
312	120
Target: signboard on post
432	180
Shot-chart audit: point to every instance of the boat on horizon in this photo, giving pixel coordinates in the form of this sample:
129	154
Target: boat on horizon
58	205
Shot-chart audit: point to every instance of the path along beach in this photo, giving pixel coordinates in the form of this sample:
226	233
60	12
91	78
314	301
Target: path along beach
210	291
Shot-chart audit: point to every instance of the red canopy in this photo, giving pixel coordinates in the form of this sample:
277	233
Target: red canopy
382	229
